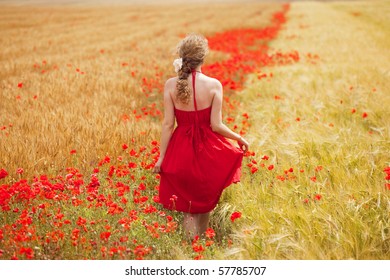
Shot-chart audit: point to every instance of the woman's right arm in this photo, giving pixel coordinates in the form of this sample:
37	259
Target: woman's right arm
217	124
167	124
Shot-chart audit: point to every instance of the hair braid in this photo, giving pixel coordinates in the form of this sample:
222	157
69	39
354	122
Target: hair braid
192	50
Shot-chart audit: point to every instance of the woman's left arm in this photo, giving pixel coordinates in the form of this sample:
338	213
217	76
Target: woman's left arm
167	124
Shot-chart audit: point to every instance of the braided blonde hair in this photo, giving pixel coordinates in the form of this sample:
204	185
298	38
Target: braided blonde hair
192	49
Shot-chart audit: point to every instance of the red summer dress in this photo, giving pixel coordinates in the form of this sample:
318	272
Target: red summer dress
198	164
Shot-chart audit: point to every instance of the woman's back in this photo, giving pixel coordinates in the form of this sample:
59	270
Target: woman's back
205	88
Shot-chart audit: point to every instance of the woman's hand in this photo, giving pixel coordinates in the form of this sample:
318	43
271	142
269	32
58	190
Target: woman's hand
157	166
244	145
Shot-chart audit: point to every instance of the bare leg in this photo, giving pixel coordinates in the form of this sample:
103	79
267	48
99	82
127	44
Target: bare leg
203	222
189	225
195	224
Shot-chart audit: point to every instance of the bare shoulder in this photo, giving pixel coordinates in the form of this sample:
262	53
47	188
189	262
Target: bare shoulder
170	85
214	85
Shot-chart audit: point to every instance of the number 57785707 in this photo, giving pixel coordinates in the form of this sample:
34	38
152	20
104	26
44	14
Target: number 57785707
237	270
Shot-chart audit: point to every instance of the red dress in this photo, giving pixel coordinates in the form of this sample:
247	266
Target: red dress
198	164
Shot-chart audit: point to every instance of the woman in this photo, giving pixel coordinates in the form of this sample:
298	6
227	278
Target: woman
196	161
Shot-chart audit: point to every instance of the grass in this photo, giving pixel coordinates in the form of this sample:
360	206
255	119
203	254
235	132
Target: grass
318	121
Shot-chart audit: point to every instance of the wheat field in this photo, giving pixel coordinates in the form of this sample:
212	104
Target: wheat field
81	109
331	125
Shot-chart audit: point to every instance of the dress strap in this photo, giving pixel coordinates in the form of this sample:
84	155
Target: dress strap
193	88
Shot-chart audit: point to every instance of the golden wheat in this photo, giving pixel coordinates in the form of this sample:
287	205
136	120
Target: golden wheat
316	120
84	90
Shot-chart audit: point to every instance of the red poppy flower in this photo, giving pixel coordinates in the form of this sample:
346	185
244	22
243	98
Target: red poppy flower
197	248
387	171
81	221
28	252
235	215
318	168
105	235
140	251
123	239
254	169
3	173
210	233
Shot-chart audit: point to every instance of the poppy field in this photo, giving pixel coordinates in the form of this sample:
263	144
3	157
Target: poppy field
306	83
